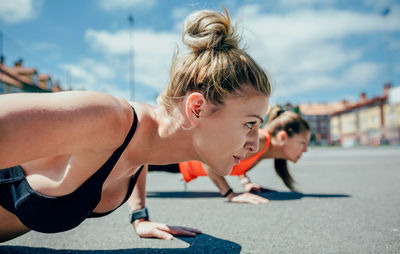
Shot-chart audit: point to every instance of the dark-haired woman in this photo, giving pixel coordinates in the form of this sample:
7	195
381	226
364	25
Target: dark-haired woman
284	137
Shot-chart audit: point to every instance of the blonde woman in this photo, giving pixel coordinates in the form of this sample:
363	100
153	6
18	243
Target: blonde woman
68	156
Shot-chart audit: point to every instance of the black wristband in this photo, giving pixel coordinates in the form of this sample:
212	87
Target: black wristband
139	214
228	192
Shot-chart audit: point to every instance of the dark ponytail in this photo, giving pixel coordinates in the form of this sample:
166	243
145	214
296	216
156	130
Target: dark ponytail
292	124
282	171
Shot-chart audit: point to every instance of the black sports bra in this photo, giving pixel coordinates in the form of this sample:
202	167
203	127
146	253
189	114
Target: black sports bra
56	214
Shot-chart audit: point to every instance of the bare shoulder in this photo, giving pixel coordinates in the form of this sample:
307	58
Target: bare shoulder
40	125
145	113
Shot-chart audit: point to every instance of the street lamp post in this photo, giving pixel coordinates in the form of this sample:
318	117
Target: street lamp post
1	47
131	85
385	13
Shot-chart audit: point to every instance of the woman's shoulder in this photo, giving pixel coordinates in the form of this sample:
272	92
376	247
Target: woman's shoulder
62	123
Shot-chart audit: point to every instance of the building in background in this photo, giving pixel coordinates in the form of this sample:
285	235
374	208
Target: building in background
392	116
19	79
317	115
371	121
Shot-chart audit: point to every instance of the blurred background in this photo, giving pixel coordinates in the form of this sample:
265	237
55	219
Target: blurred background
335	62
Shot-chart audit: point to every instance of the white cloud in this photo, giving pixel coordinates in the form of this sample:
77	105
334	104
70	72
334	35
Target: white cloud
297	3
101	70
15	11
322	58
81	78
152	52
379	5
110	5
305	50
91	75
181	13
104	41
361	73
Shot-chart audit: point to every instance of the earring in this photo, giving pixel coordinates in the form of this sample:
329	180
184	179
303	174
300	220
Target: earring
187	129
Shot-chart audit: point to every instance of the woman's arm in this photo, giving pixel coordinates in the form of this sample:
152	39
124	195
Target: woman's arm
223	187
250	186
34	126
146	227
218	180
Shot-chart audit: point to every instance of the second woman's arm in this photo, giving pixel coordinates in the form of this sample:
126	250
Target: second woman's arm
224	187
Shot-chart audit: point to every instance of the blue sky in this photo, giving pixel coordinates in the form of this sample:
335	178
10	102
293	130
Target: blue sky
313	51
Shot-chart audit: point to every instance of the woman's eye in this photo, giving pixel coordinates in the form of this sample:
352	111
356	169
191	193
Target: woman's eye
250	125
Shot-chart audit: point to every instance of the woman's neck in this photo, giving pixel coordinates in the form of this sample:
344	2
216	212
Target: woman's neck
161	139
274	149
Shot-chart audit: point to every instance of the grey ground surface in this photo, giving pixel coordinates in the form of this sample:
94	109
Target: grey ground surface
349	203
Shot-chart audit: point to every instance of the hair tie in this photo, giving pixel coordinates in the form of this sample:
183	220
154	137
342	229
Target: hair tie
281	111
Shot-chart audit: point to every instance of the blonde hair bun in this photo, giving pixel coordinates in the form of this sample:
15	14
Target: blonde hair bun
209	30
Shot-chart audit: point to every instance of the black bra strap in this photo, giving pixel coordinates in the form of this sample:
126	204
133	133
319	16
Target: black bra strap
105	170
131	186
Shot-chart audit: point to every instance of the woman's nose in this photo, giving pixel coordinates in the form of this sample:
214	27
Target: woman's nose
252	144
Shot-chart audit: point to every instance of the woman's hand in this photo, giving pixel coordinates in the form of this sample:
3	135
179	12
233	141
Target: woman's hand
247	198
145	228
253	187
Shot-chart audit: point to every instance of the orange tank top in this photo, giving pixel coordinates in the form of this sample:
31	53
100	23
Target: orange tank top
192	169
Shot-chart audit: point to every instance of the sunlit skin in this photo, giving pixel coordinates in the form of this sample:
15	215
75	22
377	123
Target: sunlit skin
284	147
211	110
57	164
295	146
281	147
241	118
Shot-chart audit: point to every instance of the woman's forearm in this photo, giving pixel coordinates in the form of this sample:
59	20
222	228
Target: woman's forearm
137	200
218	180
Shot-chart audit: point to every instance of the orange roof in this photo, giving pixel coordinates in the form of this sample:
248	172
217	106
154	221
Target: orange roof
322	108
10	81
56	87
44	77
23	70
18	76
360	104
15	74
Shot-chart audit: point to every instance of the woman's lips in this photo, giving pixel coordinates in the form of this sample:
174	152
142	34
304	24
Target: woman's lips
237	159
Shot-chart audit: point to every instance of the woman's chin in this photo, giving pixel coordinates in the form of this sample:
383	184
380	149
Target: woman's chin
225	171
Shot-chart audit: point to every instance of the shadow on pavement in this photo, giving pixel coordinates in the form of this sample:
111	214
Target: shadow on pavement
183	194
200	244
271	195
298	195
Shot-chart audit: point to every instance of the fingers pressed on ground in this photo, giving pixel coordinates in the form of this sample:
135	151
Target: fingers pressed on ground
192	230
159	233
181	231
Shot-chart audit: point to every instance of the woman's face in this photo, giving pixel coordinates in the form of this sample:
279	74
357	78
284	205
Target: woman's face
296	145
224	138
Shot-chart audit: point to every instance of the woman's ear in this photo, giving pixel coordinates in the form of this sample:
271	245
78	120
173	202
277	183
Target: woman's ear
282	137
195	104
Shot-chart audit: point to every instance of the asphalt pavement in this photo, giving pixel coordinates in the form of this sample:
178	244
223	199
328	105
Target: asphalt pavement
348	202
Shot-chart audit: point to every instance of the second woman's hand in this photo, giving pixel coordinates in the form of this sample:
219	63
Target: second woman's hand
247	198
146	228
252	187
256	188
